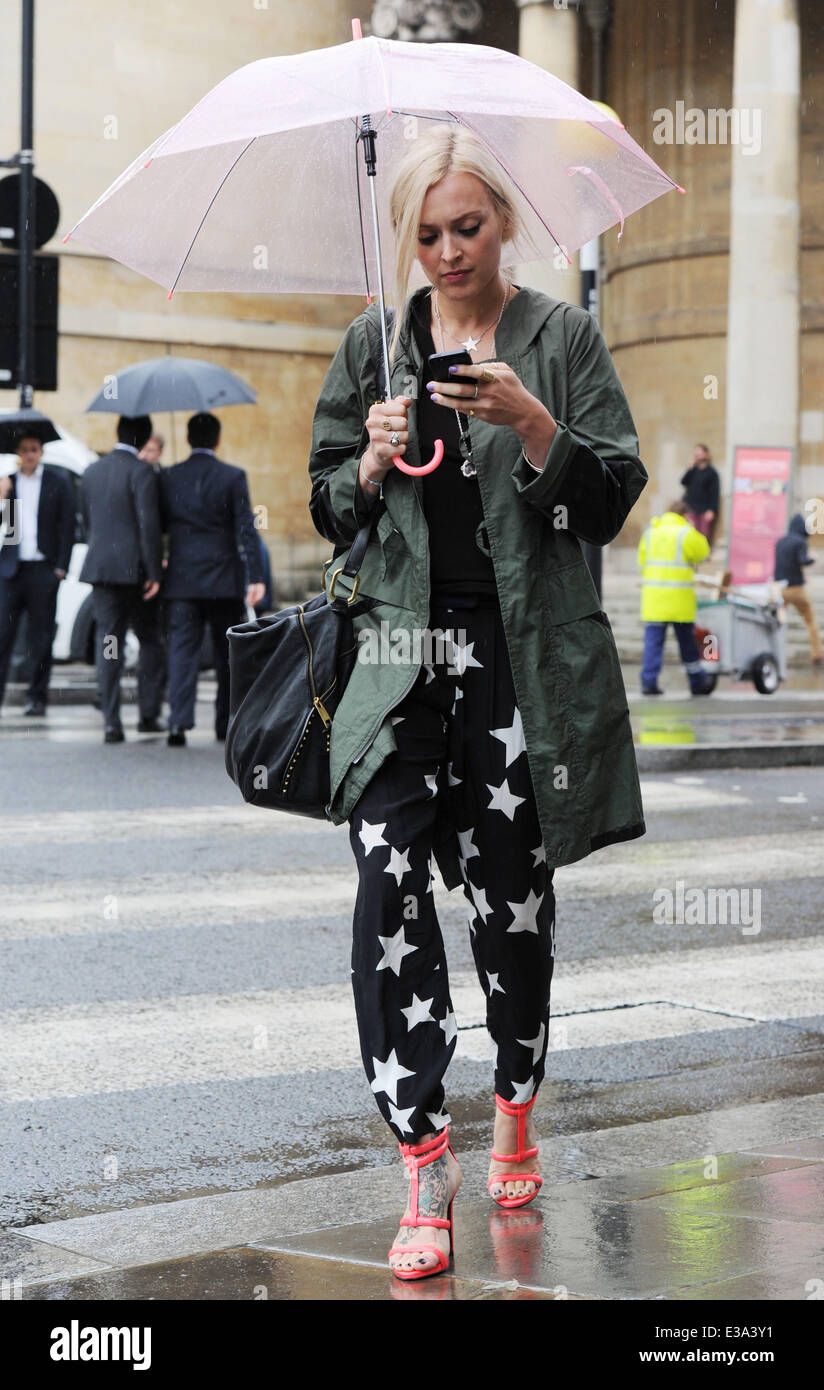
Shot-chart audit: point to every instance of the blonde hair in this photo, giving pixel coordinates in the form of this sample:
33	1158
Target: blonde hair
447	148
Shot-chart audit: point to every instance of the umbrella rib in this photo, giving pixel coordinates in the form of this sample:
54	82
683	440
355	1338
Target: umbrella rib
229	171
463	121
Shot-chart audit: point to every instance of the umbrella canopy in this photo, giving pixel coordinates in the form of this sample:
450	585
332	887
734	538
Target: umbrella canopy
18	421
171	383
66	451
261	187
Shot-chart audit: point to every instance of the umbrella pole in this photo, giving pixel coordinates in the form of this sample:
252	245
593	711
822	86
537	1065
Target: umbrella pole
367	135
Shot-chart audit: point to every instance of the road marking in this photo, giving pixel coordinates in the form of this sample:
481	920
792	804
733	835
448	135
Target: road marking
123	1045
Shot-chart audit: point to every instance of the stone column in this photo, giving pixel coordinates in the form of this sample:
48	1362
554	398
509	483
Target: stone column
548	37
764	291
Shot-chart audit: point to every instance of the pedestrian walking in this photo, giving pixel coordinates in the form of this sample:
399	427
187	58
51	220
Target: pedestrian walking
669	549
509	752
35	555
791	559
702	487
213	563
123	564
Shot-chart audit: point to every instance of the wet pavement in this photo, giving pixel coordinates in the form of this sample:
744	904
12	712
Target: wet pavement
740	1226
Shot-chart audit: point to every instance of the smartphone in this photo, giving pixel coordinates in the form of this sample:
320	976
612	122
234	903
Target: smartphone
437	366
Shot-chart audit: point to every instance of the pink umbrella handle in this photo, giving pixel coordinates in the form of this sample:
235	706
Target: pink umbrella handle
427	467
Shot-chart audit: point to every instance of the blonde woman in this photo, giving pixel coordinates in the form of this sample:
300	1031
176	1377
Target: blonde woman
508	751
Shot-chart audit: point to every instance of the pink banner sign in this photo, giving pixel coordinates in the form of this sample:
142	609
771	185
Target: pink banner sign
760	499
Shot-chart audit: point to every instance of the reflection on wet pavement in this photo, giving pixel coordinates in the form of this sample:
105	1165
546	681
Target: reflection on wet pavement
735	715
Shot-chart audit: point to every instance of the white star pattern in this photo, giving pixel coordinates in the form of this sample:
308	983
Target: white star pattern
470	915
439	1121
430	672
540	855
418	1012
371	835
397	718
512	738
493	983
481	904
394	949
523	1091
536	1043
468	850
449	1024
398	864
388	1074
431	780
524	915
452	780
401	1117
461	657
503	799
458	696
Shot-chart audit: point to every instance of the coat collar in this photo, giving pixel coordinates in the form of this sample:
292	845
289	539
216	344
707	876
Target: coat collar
522	320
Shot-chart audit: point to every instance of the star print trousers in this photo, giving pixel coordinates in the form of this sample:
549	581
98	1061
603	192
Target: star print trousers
459	737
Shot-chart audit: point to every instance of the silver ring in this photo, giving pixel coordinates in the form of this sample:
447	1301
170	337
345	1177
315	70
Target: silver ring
475	397
394	439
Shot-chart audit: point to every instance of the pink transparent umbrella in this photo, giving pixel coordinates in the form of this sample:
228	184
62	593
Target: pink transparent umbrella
260	187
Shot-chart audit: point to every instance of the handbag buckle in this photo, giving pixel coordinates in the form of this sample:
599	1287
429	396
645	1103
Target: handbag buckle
351	598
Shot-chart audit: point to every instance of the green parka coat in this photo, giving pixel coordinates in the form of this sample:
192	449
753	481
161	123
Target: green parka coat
565	667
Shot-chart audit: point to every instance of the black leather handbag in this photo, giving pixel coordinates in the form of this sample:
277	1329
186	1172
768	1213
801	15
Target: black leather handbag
287	673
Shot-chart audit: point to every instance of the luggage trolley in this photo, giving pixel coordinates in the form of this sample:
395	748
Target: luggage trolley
750	638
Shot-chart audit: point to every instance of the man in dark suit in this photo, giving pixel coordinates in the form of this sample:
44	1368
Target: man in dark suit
33	560
124	564
213	558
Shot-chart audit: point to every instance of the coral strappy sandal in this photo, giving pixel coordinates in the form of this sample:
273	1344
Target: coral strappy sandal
416	1156
509	1107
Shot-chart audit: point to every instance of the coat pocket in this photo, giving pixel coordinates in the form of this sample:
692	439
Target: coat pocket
394	550
569	593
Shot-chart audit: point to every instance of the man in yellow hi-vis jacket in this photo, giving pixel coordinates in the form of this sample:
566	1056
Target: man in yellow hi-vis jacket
669	549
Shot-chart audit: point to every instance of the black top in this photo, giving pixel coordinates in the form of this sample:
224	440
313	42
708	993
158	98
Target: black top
451	502
791	552
701	488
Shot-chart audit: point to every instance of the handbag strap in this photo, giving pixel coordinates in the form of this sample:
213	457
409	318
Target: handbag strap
357	550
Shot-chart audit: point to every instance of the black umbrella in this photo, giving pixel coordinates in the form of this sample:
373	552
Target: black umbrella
14	424
171	383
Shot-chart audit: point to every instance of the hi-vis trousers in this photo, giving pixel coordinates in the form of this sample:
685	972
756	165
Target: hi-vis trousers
459	736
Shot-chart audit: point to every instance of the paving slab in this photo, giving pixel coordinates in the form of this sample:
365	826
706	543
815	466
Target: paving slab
685	1177
795	1194
25	1261
574	1245
259	1275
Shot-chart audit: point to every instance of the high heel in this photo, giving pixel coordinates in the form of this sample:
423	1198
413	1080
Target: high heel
508	1107
417	1156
